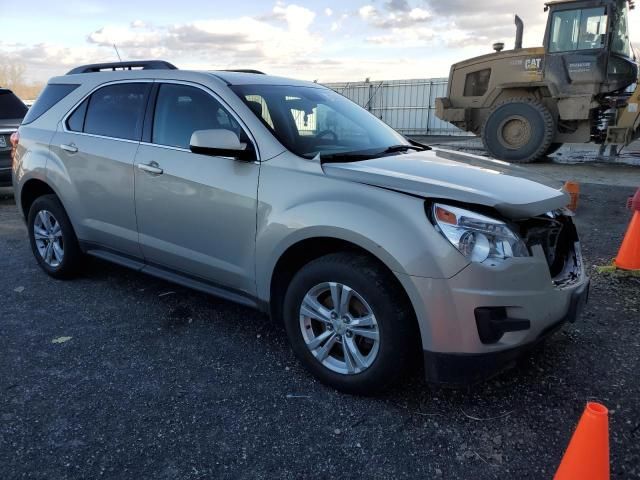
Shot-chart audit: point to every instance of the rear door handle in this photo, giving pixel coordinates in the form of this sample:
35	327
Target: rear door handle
150	168
71	148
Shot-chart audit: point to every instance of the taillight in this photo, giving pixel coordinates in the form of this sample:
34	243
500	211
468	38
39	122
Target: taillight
15	139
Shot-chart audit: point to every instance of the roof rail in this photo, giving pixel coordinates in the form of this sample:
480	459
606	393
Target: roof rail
244	70
115	66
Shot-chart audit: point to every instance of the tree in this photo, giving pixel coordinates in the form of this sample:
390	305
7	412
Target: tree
12	76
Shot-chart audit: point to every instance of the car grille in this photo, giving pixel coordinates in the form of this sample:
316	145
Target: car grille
556	234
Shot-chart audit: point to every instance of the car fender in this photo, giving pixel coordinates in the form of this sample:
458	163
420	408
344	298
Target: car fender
390	225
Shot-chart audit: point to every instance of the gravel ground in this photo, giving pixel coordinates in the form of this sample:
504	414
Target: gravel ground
157	381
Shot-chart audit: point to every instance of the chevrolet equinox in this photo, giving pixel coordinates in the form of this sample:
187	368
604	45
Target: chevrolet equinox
374	250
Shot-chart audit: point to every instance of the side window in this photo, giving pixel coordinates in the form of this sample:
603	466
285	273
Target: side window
117	111
75	122
477	83
51	95
182	110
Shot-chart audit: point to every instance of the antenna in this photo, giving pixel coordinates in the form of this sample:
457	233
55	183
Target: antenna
117	52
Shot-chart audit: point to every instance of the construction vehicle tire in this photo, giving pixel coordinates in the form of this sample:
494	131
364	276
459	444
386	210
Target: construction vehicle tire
519	130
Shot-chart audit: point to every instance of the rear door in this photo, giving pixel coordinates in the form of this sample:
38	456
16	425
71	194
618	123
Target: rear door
96	145
196	213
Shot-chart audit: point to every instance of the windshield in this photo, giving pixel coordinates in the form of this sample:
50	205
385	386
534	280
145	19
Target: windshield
312	120
11	107
573	30
620	40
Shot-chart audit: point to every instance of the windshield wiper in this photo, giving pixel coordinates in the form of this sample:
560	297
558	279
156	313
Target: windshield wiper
368	155
403	148
347	157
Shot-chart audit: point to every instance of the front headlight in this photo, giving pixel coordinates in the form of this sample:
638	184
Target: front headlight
477	237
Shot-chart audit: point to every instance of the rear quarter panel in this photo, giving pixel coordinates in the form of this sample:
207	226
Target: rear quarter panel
31	159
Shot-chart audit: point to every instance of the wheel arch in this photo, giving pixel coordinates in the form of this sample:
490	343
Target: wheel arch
303	251
478	115
31	190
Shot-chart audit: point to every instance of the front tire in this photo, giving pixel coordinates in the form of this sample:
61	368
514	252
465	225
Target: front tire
53	241
519	130
350	324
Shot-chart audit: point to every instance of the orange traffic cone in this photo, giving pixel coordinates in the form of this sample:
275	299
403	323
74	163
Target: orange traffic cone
629	255
587	456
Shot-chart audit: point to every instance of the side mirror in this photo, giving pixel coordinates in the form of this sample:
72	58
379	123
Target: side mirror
220	143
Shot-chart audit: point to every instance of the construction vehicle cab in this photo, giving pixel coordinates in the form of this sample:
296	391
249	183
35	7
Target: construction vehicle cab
526	102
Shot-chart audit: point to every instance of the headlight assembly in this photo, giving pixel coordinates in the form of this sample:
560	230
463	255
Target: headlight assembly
477	237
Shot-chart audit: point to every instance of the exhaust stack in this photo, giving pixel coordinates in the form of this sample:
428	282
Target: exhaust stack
519	32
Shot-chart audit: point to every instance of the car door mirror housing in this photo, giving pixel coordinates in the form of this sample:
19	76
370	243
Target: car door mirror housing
220	143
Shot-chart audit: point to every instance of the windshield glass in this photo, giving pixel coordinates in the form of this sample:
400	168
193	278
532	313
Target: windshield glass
621	43
11	107
578	30
310	121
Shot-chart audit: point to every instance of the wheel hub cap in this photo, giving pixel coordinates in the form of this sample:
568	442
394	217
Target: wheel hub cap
514	132
340	326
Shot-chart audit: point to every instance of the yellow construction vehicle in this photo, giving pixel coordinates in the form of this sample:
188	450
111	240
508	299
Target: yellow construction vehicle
526	102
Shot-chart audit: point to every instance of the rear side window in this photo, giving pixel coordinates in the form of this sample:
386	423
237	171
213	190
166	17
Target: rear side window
11	106
51	95
117	111
477	83
75	122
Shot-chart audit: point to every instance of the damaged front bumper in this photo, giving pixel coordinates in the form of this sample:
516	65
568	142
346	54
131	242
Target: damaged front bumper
456	369
476	323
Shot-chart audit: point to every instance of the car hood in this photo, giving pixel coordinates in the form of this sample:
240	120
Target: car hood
10	124
513	191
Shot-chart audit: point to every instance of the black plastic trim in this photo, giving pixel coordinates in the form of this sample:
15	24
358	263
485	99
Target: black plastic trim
247	155
493	323
171	275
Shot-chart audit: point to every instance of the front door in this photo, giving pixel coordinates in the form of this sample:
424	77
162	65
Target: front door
196	213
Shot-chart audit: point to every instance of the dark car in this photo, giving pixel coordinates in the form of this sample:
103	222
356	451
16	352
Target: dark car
12	111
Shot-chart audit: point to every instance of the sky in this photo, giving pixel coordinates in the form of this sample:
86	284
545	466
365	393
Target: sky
330	40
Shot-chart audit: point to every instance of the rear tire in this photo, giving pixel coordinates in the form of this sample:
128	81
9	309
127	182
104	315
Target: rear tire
519	130
53	241
353	363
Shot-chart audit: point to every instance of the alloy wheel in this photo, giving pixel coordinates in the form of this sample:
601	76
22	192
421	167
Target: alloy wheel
339	328
47	233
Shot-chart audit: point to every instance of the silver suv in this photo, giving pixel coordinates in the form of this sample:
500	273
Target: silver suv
374	250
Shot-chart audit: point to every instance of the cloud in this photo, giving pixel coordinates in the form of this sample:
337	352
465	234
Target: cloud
397	5
283	33
280	38
137	24
401	17
368	11
420	38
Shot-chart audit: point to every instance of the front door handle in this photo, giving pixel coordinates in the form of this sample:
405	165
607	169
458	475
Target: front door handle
71	148
150	168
